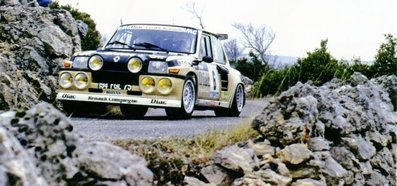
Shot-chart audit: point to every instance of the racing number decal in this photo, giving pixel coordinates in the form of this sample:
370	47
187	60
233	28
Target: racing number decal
214	81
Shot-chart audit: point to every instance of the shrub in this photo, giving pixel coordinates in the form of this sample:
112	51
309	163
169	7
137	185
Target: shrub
251	67
386	58
319	67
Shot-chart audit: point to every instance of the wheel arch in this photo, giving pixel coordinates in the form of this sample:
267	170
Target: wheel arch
195	80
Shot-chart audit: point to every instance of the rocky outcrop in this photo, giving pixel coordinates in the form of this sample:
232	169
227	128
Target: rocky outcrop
33	41
46	151
341	133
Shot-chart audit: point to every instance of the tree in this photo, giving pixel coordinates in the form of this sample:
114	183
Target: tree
386	58
191	8
233	51
257	39
252	67
319	66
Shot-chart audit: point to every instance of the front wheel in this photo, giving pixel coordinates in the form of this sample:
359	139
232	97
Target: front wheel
133	111
188	102
237	105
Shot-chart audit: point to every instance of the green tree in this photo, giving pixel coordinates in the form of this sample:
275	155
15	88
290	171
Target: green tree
319	66
251	67
386	58
92	39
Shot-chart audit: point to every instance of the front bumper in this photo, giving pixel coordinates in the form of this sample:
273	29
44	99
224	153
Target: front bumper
117	99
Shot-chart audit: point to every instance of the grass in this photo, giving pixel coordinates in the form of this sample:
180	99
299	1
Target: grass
199	147
170	159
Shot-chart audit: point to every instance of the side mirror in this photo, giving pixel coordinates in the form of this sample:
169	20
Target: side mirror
208	59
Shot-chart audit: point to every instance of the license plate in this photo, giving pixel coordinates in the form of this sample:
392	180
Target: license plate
114	86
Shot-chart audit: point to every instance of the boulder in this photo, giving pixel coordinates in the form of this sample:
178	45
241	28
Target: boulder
216	175
343	132
33	42
16	166
295	154
63	157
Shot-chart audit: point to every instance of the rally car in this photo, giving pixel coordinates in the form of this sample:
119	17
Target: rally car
178	68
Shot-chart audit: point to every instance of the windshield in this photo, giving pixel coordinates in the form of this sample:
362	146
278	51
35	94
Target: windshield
154	37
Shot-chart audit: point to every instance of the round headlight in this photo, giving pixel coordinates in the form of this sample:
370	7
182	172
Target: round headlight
65	80
147	85
134	65
81	80
95	63
164	86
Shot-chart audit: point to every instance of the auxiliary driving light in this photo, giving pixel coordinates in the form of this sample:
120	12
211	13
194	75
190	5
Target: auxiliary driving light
65	80
134	65
95	63
164	86
81	81
147	85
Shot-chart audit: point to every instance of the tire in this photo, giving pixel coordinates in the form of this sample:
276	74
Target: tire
133	111
188	102
237	105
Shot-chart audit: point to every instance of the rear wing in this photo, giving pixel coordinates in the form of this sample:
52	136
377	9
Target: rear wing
223	36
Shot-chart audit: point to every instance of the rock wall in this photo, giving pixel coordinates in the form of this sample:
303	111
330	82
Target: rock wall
39	147
33	41
341	133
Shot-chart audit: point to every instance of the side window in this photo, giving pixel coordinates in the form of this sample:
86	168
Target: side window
219	55
205	47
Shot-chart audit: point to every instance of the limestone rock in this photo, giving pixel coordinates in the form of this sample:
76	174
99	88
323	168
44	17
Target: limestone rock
33	41
295	154
63	157
348	126
216	175
234	158
16	167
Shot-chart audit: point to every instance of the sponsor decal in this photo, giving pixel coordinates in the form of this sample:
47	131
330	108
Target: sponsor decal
116	59
123	100
156	101
159	27
91	98
118	99
68	96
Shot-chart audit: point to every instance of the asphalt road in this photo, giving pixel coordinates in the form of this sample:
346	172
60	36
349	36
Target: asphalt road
156	125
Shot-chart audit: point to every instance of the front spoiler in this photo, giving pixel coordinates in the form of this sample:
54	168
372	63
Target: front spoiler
117	99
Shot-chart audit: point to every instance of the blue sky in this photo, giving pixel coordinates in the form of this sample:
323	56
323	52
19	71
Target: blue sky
354	28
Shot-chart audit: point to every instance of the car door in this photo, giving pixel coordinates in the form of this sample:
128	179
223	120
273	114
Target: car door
208	81
221	72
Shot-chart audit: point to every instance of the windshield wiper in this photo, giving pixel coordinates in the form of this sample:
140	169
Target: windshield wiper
150	46
122	43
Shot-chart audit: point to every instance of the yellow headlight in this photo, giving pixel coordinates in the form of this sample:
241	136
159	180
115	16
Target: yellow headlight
134	65
147	85
95	63
81	81
164	86
65	80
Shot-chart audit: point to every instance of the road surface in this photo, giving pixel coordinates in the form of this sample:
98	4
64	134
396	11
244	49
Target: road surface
156	125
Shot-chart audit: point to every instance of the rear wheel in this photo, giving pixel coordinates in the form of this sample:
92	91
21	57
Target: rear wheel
188	102
237	105
133	111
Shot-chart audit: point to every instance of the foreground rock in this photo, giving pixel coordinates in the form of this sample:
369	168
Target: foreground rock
42	149
341	133
33	41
